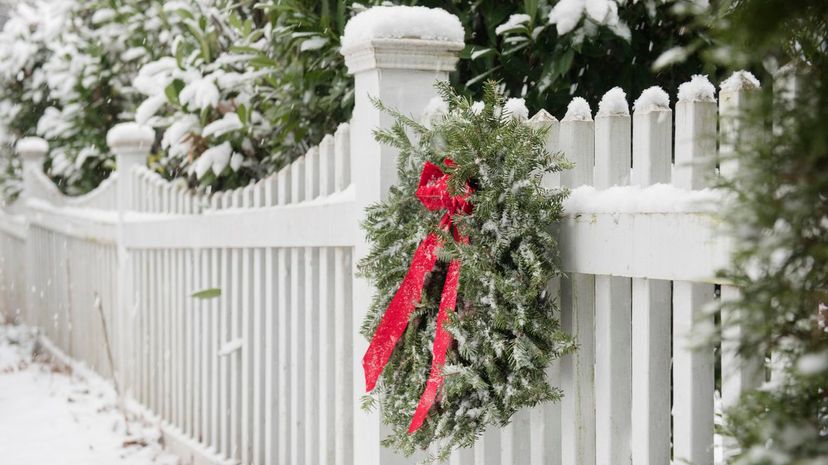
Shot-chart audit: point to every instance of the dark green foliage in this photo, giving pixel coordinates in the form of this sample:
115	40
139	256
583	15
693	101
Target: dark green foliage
780	221
506	326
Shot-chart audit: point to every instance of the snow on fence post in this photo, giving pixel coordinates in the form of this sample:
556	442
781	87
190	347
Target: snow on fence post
395	54
693	375
32	151
738	96
577	139
131	144
650	434
613	325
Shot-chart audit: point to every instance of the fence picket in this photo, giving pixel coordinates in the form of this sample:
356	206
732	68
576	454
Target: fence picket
613	313
692	377
578	313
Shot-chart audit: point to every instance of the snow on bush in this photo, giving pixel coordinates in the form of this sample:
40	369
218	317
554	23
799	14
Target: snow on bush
515	21
402	22
205	98
567	15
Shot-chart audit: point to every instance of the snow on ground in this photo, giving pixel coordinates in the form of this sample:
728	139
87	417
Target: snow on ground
50	417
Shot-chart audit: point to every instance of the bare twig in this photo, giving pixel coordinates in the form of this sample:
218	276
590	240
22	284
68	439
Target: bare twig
121	407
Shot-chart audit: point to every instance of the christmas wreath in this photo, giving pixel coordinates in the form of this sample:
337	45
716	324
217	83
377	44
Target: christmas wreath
462	327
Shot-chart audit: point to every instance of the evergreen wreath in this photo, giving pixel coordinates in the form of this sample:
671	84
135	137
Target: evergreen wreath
505	327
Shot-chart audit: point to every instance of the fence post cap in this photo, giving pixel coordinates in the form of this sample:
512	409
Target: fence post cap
32	148
402	37
130	136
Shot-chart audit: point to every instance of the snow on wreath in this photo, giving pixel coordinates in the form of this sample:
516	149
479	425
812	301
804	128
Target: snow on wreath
462	328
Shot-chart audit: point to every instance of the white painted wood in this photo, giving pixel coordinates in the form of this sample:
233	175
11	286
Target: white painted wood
613	369
650	434
342	162
246	310
297	336
652	146
544	121
612	151
344	334
613	326
310	313
736	127
692	377
578	146
577	376
695	146
740	372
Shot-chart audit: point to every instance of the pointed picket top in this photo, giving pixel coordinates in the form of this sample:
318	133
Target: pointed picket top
542	119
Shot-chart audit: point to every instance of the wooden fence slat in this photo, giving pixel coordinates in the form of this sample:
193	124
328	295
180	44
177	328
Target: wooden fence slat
650	371
692	377
344	348
578	312
613	314
310	313
342	148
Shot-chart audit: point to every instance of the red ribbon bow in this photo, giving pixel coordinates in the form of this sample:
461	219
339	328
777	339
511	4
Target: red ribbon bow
433	193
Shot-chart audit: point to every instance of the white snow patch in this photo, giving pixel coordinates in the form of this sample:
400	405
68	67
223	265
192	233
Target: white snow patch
614	103
236	161
32	145
516	108
813	363
670	57
435	110
149	107
215	158
658	198
477	107
697	89
200	94
566	14
578	110
54	416
230	347
514	22
402	22
739	80
653	98
131	134
229	122
314	43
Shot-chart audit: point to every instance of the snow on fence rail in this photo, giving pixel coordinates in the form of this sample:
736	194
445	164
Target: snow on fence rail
267	370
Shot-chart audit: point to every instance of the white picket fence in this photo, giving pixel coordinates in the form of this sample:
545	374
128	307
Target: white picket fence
269	372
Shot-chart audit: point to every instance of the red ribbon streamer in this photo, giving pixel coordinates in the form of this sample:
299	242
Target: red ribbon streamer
433	193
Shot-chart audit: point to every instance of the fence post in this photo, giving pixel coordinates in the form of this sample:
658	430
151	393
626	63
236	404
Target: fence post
131	144
32	151
401	73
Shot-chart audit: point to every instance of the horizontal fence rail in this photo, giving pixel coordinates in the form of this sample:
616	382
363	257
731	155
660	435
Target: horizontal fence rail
233	315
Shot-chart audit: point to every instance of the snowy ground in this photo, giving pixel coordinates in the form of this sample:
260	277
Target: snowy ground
48	416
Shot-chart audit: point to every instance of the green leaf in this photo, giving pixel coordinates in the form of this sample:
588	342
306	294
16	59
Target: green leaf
172	91
204	294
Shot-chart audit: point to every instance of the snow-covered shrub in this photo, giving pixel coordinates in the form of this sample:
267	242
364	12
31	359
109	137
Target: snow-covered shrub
89	76
24	42
205	95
